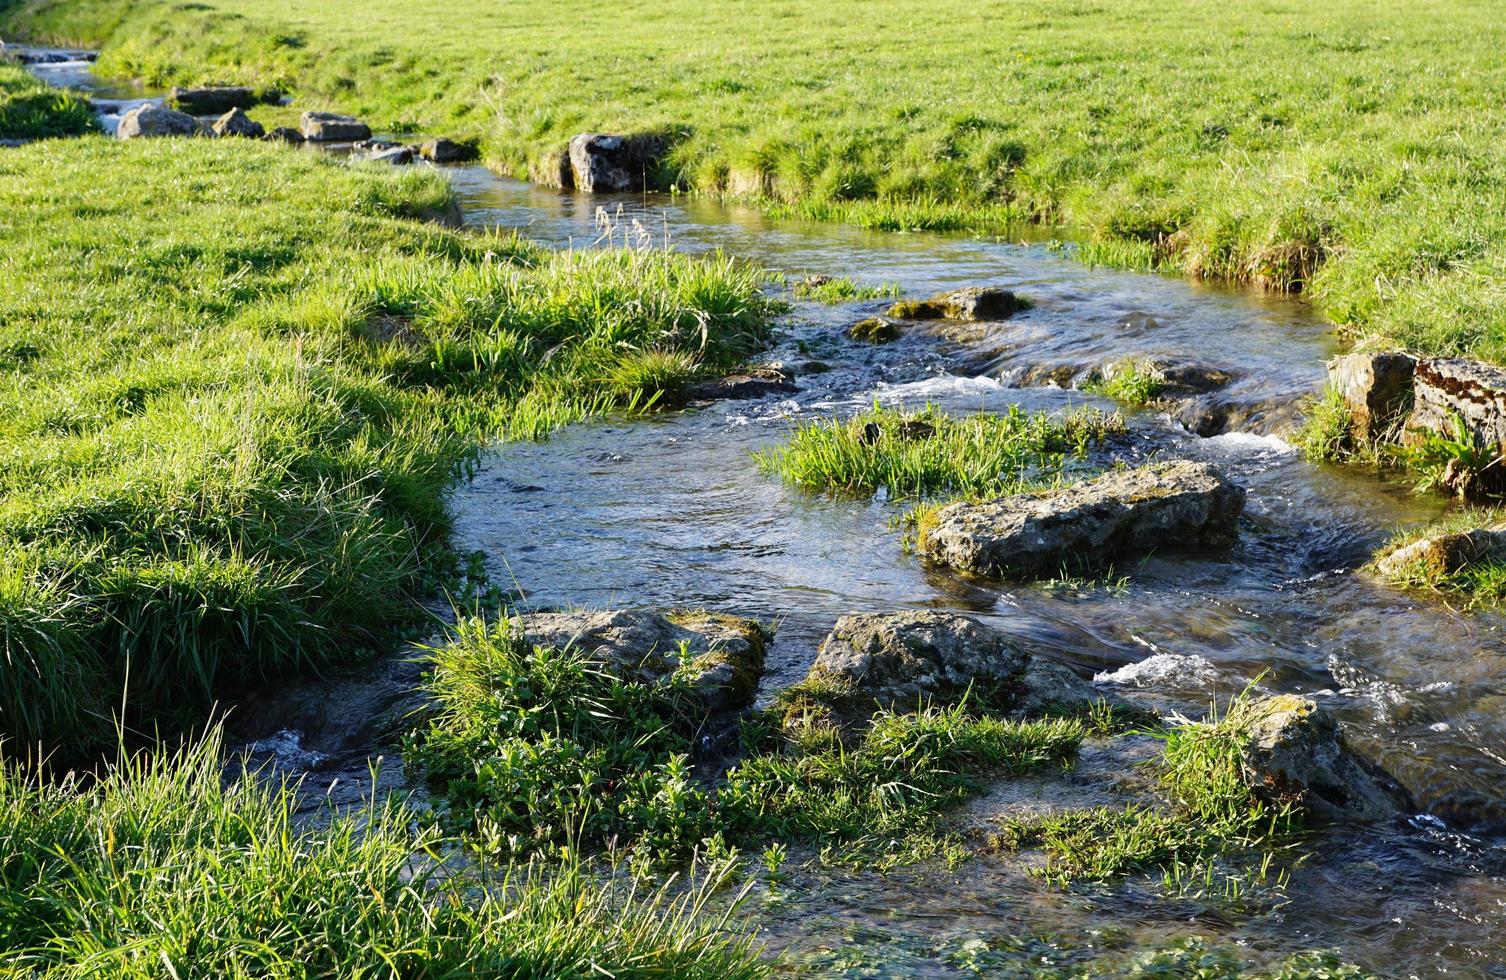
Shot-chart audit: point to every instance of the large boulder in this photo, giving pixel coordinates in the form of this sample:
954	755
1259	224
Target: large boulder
237	123
1444	554
331	127
211	100
601	162
971	303
909	656
1177	504
448	151
1449	388
1376	388
152	120
722	656
1294	752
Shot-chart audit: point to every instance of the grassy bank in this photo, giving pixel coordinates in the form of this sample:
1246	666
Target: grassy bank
1354	150
30	109
234	382
162	869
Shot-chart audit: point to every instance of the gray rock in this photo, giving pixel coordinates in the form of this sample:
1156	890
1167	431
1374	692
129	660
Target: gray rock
1444	554
601	162
285	134
904	657
1164	505
331	127
971	303
152	120
395	155
1173	375
211	100
448	151
1295	752
723	654
237	123
1444	389
1377	388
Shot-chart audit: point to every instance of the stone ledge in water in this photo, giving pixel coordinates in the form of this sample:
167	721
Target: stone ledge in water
1376	388
1178	504
755	383
332	127
151	120
725	653
602	162
971	303
237	123
212	100
1296	752
910	656
1444	554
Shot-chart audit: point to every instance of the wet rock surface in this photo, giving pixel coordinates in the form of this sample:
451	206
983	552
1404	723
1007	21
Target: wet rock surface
874	330
721	655
1049	687
285	134
1446	389
444	150
211	100
1377	390
909	656
332	127
1164	505
605	163
1296	752
755	383
970	303
151	121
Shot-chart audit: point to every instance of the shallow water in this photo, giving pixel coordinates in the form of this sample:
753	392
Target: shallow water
672	511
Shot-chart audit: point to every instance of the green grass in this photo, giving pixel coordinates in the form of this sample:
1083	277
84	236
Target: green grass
1133	384
31	109
840	289
1214	834
163	868
1353	151
929	453
537	747
1478	586
234	384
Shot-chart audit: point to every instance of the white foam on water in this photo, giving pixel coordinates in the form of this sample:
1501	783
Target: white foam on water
1245	444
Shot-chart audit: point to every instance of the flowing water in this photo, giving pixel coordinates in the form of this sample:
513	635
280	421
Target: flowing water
672	511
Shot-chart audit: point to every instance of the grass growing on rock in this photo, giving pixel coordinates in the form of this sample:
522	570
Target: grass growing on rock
1212	825
31	109
164	868
1351	151
235	381
1134	384
929	453
1478	585
840	289
537	747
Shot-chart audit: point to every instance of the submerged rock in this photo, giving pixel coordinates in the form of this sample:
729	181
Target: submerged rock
721	655
1444	554
1377	390
211	100
1450	388
448	151
1295	752
152	120
331	127
971	303
1179	504
908	656
600	162
237	123
756	383
874	330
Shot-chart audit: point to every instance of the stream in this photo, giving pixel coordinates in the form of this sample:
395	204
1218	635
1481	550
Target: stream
670	510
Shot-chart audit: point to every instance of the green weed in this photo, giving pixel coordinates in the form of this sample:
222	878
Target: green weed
31	109
1133	384
840	289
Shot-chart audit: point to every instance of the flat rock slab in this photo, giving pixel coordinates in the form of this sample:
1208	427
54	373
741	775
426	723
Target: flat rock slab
915	655
212	100
757	383
331	127
1165	505
722	655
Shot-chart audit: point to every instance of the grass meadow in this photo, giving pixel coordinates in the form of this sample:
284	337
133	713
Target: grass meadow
1354	150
